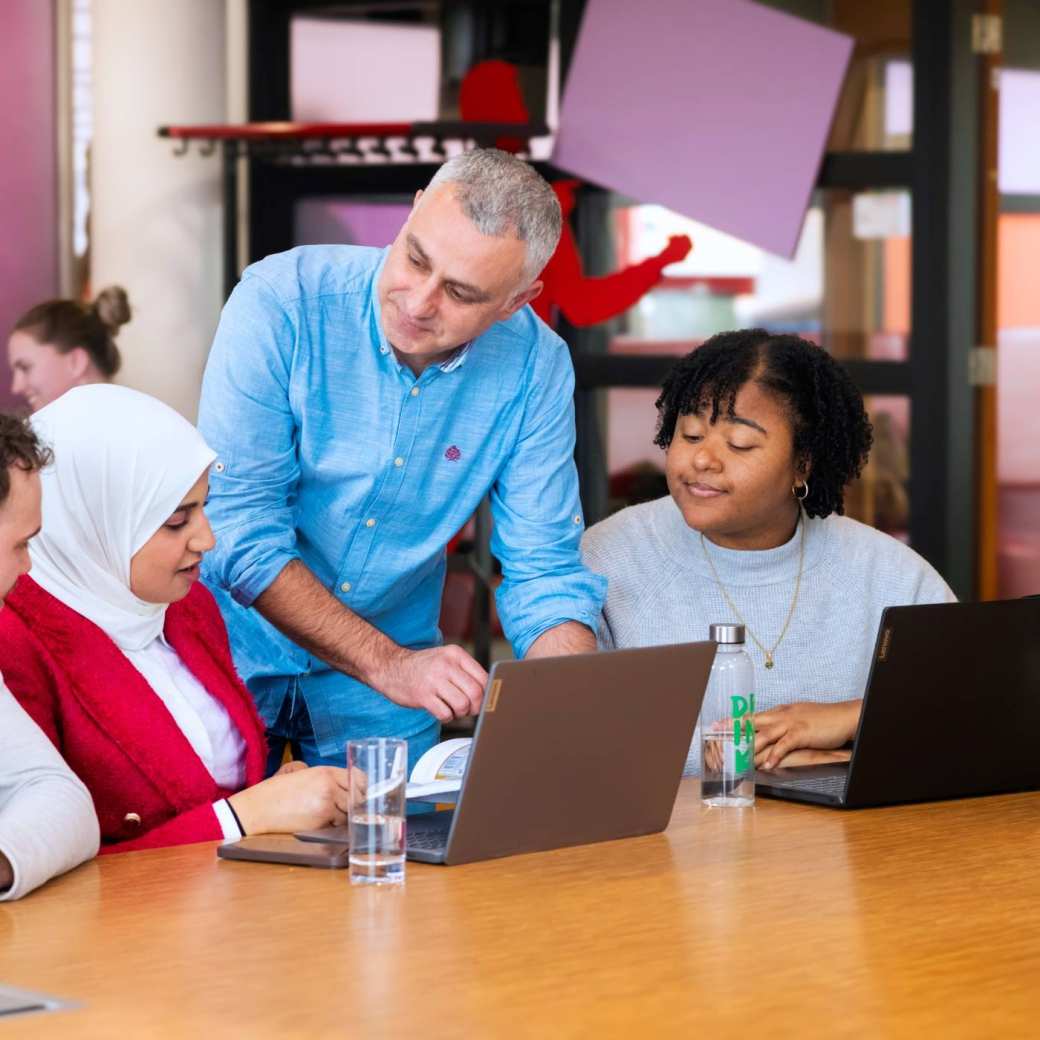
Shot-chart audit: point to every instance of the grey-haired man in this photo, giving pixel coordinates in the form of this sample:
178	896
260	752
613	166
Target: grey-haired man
362	402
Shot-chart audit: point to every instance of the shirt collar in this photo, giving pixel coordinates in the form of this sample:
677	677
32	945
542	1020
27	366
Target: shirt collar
458	357
382	344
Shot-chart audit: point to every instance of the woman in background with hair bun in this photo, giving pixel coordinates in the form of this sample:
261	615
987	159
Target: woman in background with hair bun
63	343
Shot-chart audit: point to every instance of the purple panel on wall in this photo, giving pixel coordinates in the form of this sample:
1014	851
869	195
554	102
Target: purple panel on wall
718	109
28	170
320	221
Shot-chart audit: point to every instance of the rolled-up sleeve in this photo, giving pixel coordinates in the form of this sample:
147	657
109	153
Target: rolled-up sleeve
246	417
538	521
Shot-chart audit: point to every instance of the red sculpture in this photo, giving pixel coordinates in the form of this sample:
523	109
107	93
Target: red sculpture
490	93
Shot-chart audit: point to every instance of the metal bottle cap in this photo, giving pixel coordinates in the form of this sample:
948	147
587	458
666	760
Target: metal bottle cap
726	633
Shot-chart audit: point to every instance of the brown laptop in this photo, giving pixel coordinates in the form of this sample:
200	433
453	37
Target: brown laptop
569	751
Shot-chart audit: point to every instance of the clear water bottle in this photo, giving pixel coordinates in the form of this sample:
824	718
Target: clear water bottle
727	729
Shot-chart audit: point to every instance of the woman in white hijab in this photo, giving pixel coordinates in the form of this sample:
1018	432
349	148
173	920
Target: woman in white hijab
120	654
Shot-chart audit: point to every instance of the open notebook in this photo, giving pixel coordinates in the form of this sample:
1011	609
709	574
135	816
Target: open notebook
437	776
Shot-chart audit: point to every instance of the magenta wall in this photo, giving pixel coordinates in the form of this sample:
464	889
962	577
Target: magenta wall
28	165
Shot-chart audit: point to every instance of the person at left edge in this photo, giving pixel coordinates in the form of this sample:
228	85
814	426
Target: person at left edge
47	819
361	403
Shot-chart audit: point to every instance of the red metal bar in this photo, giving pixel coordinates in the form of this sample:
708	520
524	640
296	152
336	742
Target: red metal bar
720	285
284	131
289	131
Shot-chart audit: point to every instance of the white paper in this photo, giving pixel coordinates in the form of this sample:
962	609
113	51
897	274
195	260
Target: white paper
440	769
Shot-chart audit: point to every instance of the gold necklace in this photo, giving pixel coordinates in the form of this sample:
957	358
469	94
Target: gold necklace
769	653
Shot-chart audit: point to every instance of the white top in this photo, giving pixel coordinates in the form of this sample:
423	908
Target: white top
47	820
202	719
661	590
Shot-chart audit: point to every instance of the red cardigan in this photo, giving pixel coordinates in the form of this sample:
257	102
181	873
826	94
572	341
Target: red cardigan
112	728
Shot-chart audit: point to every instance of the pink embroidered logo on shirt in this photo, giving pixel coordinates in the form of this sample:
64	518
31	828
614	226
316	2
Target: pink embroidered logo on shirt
453	454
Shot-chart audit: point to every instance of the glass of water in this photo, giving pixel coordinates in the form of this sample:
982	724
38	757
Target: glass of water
377	813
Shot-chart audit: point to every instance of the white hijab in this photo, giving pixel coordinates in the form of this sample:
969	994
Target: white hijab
123	462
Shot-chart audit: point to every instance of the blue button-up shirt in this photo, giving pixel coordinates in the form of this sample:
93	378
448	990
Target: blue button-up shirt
332	452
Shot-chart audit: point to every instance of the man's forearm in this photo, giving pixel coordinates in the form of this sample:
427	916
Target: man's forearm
571	637
297	604
443	680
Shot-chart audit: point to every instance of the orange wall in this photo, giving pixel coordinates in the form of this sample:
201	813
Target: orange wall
897	285
1018	291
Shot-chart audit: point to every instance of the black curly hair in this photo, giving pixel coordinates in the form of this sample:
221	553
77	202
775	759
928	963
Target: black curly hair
19	446
831	430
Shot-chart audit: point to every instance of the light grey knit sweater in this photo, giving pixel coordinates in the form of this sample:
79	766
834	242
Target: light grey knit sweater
47	820
661	590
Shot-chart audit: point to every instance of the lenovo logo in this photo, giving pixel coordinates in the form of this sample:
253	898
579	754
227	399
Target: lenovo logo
492	698
886	640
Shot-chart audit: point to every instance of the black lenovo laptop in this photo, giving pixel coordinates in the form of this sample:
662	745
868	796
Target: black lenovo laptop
568	751
951	710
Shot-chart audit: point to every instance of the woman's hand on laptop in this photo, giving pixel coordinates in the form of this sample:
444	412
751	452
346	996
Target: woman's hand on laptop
303	799
444	680
813	757
792	727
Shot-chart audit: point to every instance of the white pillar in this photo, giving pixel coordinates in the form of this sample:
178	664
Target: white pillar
156	218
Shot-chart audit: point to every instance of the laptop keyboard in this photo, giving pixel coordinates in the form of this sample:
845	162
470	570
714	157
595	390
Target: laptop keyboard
834	785
429	835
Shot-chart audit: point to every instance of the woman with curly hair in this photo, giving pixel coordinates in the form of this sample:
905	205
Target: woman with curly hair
762	434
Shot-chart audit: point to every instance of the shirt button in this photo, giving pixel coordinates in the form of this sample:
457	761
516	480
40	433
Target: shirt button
415	391
383	350
398	461
577	518
370	522
345	587
219	467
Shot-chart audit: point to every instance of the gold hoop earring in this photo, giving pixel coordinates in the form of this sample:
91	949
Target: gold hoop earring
804	489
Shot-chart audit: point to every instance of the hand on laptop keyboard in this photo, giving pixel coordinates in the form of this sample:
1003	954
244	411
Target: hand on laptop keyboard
803	725
814	757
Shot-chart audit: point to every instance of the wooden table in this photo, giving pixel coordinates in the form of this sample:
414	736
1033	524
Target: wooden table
785	920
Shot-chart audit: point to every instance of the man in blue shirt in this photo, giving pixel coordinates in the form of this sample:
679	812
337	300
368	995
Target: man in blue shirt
362	402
